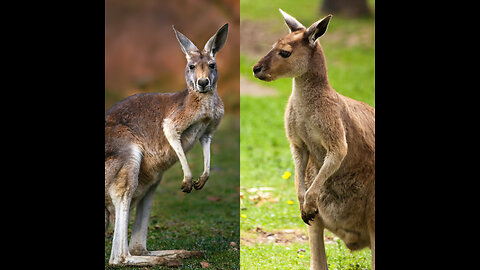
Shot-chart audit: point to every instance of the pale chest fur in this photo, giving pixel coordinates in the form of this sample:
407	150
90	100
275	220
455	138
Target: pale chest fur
209	112
302	128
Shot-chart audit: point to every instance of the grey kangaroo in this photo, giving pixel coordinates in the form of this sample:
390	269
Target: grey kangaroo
332	140
145	134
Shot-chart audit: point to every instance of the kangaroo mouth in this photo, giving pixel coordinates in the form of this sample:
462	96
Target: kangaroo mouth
262	73
203	90
263	77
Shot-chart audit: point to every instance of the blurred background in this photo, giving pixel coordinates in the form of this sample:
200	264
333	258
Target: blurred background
143	55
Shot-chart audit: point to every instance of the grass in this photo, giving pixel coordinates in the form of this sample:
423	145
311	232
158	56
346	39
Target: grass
271	256
265	153
196	221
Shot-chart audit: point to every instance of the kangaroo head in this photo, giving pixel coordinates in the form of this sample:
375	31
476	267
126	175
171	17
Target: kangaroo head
291	55
201	71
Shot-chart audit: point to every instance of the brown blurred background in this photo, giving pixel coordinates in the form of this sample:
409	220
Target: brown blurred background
143	55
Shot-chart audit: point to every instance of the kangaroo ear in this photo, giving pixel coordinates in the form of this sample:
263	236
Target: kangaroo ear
317	29
185	43
216	42
291	22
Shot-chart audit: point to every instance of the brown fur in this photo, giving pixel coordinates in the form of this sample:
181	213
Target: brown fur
145	135
138	120
332	139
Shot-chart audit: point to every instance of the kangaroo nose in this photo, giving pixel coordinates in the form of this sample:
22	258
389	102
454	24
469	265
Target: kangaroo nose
203	82
257	69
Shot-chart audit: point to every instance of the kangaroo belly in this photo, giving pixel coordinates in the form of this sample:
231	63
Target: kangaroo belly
192	134
344	216
342	204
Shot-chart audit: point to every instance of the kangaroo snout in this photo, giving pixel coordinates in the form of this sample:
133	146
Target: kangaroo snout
203	84
260	72
257	68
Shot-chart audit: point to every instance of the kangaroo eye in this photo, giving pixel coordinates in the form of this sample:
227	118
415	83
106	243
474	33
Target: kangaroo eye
212	66
191	66
284	54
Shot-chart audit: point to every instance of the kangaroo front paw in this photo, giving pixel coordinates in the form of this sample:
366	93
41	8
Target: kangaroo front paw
187	185
308	213
201	181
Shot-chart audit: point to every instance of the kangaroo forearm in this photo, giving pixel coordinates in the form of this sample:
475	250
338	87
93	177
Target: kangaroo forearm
330	165
173	136
300	159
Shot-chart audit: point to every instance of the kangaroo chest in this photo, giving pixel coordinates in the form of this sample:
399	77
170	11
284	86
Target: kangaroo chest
206	114
193	133
159	156
302	130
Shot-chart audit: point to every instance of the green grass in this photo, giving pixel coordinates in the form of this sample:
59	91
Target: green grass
282	257
191	221
271	256
265	153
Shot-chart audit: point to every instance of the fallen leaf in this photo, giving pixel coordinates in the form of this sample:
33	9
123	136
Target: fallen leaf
254	198
260	203
232	244
214	199
205	264
259	229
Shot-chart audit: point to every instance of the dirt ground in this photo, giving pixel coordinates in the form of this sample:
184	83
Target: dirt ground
280	237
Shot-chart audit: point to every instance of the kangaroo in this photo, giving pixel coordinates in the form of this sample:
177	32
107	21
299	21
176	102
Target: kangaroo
332	141
145	134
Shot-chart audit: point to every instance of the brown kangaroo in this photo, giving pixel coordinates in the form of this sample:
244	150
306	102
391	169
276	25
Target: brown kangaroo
144	136
332	140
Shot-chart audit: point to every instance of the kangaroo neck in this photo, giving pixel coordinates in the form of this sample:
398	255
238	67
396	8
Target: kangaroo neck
204	100
205	95
314	82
